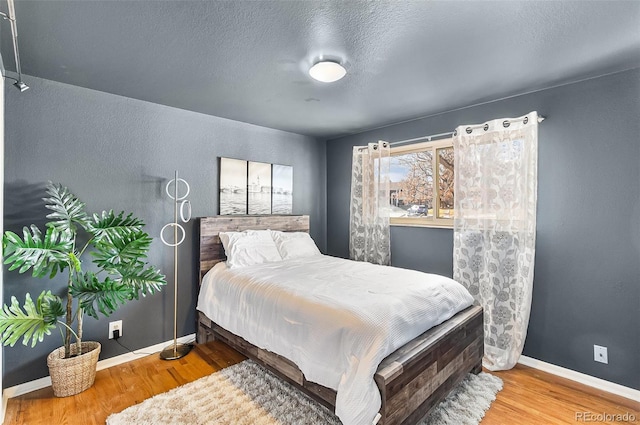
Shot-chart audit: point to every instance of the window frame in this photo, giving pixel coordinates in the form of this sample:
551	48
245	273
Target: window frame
425	146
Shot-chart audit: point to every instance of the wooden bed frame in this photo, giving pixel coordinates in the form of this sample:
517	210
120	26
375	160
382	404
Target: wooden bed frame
412	380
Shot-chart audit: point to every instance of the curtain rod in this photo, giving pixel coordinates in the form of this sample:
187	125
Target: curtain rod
449	133
427	138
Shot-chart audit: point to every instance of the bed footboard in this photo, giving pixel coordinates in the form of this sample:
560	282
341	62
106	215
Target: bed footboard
416	377
412	380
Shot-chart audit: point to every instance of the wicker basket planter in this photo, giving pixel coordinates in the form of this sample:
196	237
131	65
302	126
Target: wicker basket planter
75	374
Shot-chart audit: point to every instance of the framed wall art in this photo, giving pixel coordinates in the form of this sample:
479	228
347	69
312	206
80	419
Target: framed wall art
256	188
282	182
259	188
233	186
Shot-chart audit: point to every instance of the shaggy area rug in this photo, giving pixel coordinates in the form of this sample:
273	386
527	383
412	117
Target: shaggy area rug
247	394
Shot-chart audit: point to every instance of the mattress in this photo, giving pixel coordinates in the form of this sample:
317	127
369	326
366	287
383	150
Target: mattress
336	319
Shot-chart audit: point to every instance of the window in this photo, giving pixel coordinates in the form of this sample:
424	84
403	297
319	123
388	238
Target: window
421	184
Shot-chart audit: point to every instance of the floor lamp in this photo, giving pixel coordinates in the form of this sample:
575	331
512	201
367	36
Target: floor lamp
176	350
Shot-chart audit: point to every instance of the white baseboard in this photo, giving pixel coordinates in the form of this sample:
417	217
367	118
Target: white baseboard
37	384
127	357
582	378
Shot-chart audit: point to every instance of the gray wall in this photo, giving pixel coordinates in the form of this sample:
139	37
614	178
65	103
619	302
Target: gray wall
115	152
587	274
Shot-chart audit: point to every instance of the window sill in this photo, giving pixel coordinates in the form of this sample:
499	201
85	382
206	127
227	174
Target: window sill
429	225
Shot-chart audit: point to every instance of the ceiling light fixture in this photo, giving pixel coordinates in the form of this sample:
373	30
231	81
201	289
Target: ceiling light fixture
11	17
327	71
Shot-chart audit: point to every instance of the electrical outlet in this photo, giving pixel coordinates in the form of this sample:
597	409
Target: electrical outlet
117	325
600	354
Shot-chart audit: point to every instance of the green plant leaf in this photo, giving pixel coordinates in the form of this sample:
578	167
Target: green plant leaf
103	296
110	226
140	280
46	255
50	306
121	250
75	262
67	209
36	321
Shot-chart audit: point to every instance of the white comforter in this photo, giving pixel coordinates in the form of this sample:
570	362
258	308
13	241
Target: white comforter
336	319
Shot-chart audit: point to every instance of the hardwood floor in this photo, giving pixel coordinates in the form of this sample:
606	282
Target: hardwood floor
529	396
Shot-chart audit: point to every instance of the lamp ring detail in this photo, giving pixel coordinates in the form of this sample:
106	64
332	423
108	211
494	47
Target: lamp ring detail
179	197
176	243
185	217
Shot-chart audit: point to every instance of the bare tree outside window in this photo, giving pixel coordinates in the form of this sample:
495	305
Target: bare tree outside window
422	174
445	182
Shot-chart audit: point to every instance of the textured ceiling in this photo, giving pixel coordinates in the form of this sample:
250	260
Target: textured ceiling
248	60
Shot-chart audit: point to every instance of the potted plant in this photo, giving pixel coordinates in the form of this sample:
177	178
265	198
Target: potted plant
118	248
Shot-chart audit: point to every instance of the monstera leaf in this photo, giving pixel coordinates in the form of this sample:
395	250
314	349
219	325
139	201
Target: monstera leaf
92	293
67	209
121	249
127	284
110	226
141	280
36	321
46	255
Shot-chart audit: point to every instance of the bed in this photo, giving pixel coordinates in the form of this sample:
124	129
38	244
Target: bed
411	380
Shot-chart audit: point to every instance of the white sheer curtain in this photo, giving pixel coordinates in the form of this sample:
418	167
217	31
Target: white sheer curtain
495	228
369	238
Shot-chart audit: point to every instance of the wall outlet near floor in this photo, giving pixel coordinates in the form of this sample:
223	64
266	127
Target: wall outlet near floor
600	354
117	325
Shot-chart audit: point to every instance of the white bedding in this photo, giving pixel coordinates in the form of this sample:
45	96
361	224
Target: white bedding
336	319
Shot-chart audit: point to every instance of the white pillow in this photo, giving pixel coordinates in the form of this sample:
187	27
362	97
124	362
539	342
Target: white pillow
294	244
249	247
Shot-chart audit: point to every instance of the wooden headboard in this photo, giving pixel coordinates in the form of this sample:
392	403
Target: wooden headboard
211	250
